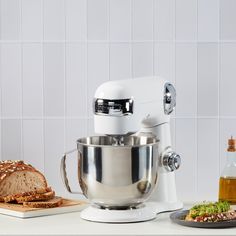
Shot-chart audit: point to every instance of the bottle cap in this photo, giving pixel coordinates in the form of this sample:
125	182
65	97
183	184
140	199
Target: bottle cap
231	145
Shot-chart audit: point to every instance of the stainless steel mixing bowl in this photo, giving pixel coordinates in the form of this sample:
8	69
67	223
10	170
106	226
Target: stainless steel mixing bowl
116	176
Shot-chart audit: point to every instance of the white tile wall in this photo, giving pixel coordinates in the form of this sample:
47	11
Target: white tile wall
186	79
75	11
227	79
186	144
11	139
164	58
207	158
54	147
208	77
142	24
142	59
227	9
76	80
164	19
11	80
54	79
10	19
120	61
32	80
186	20
33	142
31	22
120	27
97	19
54	53
208	20
53	19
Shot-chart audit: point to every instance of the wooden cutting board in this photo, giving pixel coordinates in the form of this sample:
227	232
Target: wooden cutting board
18	210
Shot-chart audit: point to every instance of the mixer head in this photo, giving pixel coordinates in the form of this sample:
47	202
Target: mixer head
124	106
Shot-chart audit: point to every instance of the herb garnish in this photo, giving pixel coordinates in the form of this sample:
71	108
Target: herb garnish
209	208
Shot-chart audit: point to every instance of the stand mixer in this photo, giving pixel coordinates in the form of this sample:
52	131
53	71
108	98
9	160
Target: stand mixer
134	161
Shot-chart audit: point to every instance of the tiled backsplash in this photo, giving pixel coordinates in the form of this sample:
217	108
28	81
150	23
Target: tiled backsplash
54	53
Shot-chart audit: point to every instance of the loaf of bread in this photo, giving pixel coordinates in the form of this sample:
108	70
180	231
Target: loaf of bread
21	183
17	177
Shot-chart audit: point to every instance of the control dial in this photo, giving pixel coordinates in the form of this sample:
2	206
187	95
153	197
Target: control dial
169	100
171	161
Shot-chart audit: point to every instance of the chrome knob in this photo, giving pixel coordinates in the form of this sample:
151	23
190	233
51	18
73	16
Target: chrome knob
169	100
171	161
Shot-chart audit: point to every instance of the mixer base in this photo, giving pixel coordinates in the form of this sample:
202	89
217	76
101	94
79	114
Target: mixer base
144	212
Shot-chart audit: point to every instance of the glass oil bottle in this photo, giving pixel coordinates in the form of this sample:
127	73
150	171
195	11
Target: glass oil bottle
227	182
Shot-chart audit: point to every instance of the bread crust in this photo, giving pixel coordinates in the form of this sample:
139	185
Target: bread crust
12	198
36	197
55	202
9	166
10	170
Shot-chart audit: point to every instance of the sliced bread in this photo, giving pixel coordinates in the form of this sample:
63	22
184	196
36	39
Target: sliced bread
36	197
55	202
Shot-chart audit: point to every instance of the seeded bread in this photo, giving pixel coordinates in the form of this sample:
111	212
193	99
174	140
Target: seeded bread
17	177
36	197
12	198
55	202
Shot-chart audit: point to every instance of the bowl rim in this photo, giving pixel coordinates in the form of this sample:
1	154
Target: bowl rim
78	142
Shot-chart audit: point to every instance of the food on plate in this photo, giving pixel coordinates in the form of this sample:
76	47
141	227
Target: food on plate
211	212
55	202
22	183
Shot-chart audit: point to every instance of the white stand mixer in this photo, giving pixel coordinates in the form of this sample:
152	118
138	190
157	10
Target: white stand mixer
134	107
153	99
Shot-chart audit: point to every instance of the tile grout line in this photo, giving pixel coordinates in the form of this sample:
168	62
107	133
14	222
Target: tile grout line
117	41
131	37
21	78
196	118
1	152
64	80
43	86
153	35
84	117
175	74
174	34
87	77
219	78
86	71
108	38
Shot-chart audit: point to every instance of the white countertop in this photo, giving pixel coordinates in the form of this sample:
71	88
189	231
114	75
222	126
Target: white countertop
72	224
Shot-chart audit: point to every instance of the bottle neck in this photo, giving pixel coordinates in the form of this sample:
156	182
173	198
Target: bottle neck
231	157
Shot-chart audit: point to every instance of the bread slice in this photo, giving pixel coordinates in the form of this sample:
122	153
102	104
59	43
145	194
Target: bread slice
36	197
55	202
12	198
18	177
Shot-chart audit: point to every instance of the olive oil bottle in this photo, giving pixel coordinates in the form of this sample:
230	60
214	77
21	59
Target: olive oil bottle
227	182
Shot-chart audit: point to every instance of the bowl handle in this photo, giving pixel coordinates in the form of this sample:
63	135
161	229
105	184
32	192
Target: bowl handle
64	173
